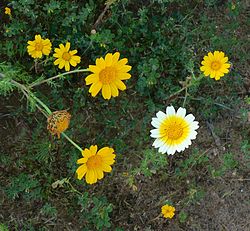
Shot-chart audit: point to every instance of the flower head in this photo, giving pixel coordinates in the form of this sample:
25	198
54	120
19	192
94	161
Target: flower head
65	57
7	11
95	163
38	47
167	211
215	65
107	76
58	122
174	130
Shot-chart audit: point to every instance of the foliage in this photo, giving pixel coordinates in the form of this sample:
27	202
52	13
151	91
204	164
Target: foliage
164	41
228	163
95	211
23	185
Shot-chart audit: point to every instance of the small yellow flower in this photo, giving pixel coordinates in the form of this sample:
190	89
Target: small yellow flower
39	47
7	11
58	122
95	163
107	75
167	211
65	57
215	65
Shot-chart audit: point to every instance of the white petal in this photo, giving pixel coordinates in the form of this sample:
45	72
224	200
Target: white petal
181	112
171	150
189	118
193	135
170	110
158	143
161	115
163	149
179	148
194	125
156	122
155	133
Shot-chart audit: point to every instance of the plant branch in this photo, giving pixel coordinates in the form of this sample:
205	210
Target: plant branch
55	77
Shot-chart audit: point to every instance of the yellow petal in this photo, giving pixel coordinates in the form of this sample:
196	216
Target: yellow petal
95	88
72	52
91	177
76	58
106	91
67	66
106	168
216	54
100	63
99	174
211	57
94	69
122	62
125	68
93	149
72	62
61	64
104	151
115	57
114	90
108	59
224	60
120	85
202	68
92	78
86	153
124	76
38	37
81	171
57	61
62	47
82	160
67	47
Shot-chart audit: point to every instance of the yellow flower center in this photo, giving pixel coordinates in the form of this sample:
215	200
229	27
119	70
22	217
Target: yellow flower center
173	131
94	162
39	46
215	65
107	75
66	56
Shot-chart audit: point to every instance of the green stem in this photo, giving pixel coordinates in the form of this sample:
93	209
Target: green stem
72	142
56	76
73	189
41	103
28	94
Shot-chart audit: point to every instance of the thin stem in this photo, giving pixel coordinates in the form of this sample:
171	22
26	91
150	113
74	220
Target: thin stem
74	189
28	94
41	103
185	98
56	76
71	141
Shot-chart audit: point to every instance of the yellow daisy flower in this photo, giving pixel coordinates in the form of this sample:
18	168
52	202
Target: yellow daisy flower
173	130
58	122
108	74
65	57
95	163
38	47
7	11
216	65
168	211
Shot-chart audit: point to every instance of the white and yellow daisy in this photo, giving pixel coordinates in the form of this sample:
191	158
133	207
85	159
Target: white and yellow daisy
173	130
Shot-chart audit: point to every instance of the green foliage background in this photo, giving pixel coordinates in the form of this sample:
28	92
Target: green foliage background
164	41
